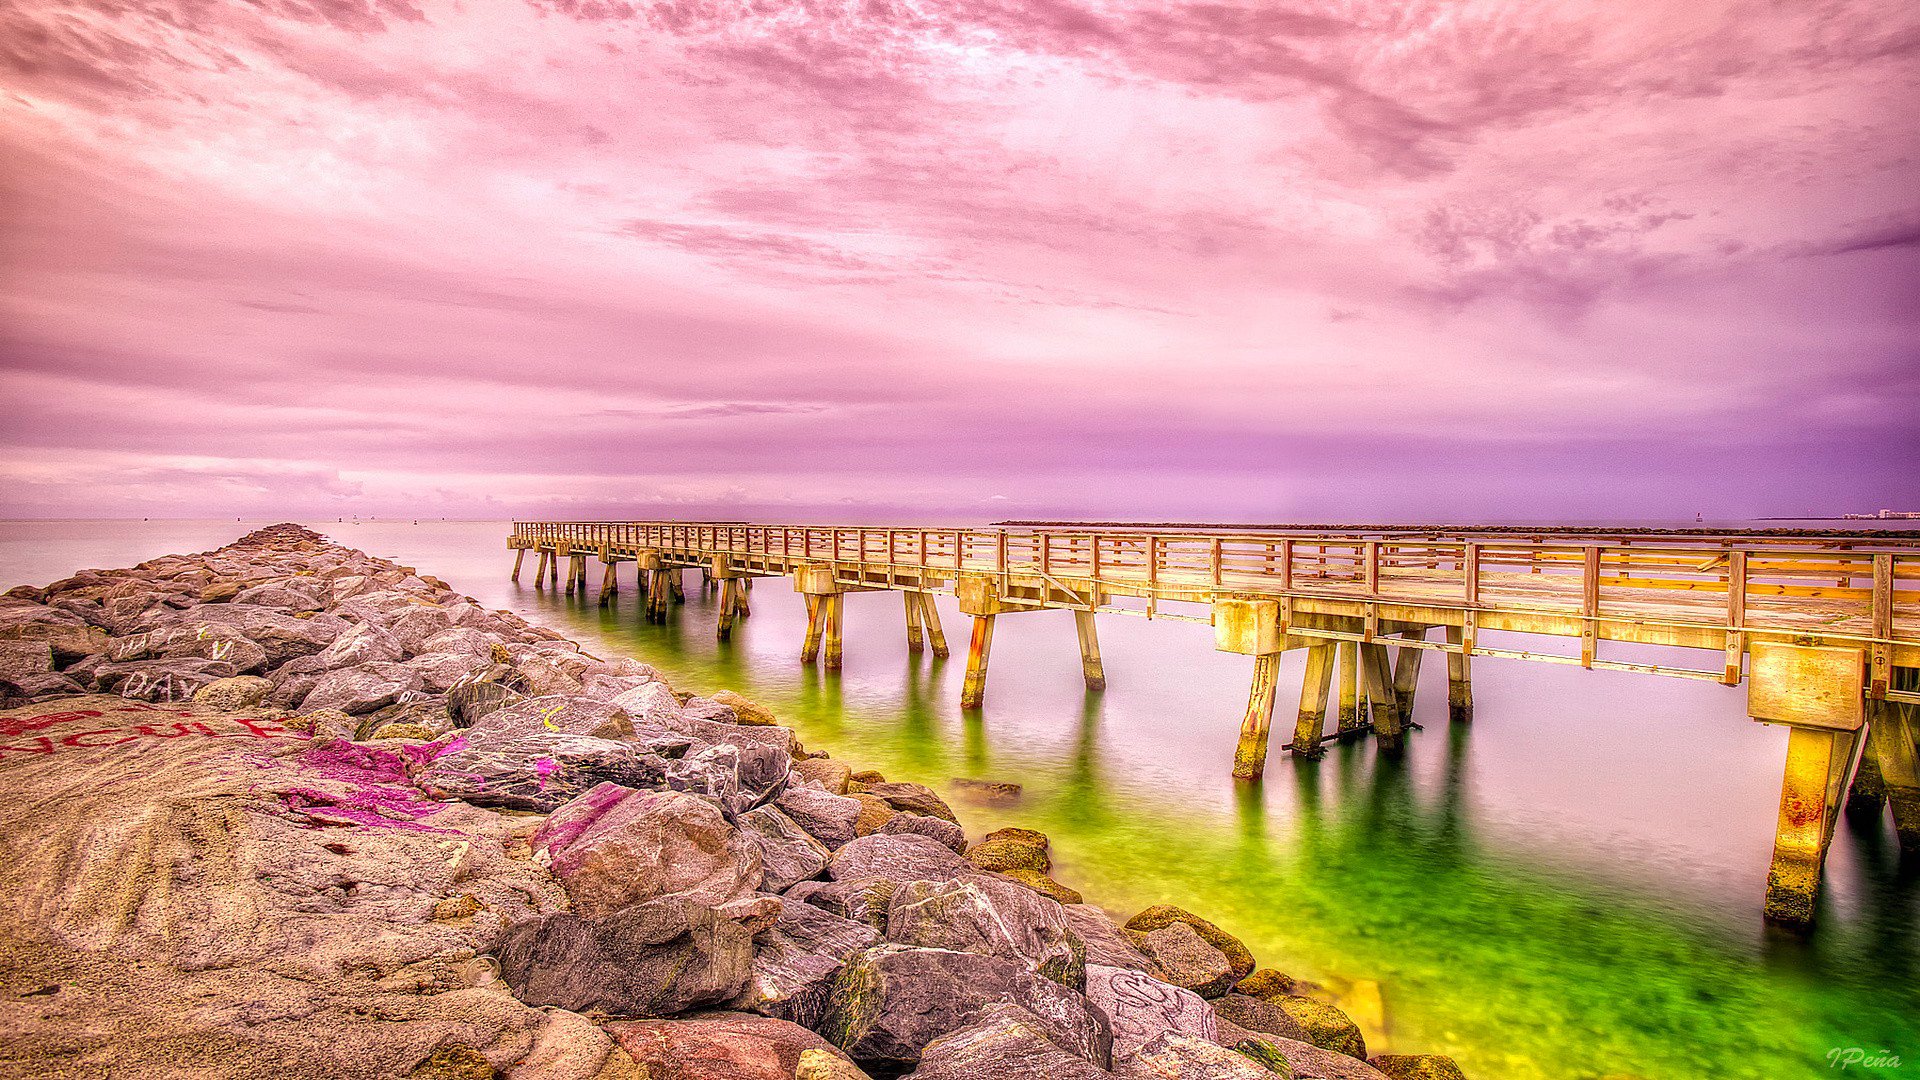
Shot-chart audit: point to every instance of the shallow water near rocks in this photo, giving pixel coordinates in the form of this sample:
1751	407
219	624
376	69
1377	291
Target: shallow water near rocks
1567	888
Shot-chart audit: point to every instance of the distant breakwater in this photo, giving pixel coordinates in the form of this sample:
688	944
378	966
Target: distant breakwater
288	773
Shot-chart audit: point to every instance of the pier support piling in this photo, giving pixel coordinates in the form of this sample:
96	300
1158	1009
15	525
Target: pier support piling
836	605
553	568
1250	756
1406	674
810	645
540	569
1314	687
1817	694
973	690
1349	724
1893	730
608	585
1459	679
1090	666
1389	729
729	590
916	641
930	619
519	556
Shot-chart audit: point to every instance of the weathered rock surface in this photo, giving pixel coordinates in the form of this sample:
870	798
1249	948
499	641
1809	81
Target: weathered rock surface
908	857
1140	1007
1105	944
554	714
1004	1042
239	692
614	846
828	818
992	917
721	1046
863	900
938	828
788	855
1173	1056
891	1001
913	799
650	959
1159	915
796	961
1417	1066
1186	960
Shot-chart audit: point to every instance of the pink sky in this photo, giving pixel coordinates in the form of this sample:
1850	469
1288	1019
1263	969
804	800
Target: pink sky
959	260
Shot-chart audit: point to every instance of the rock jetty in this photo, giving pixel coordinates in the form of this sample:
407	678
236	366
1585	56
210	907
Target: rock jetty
288	810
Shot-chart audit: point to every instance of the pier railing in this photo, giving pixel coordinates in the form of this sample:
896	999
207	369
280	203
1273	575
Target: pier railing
1823	627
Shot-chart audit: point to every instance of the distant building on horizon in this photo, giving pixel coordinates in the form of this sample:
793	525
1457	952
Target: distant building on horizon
1885	515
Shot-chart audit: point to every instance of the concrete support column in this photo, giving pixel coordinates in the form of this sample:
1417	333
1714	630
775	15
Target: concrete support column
1389	730
916	641
1348	722
836	605
519	556
930	618
1459	679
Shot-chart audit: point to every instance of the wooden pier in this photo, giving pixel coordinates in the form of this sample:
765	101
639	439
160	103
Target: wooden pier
1823	627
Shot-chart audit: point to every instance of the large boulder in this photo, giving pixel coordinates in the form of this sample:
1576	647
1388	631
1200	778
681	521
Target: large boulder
891	1001
363	644
461	640
863	900
650	705
239	692
796	961
156	680
1325	1026
557	715
614	846
992	917
656	958
907	857
362	689
1310	1062
1239	957
1258	1015
1186	960
1141	1007
1106	945
24	659
738	777
283	636
470	701
1173	1056
788	855
540	772
1012	849
1004	1042
829	774
721	1046
940	829
827	818
413	626
442	671
206	641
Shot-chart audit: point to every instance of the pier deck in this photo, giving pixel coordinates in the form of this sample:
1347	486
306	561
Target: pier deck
1824	627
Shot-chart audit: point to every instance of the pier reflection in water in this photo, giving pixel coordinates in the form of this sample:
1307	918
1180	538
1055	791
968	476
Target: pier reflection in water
1563	889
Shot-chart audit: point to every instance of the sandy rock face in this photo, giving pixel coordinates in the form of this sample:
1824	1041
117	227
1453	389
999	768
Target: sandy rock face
192	892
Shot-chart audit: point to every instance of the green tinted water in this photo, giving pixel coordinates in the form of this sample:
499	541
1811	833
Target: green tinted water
1567	888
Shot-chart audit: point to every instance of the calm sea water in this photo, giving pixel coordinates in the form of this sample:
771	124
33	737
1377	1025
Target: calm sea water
1569	887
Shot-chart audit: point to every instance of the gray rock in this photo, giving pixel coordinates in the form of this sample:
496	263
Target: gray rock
540	772
1258	1015
555	714
1004	1042
861	900
796	961
736	777
279	596
608	687
468	702
788	855
940	829
1140	1007
156	680
1185	959
652	959
1106	945
362	689
990	916
440	672
22	659
1171	1055
828	818
414	625
891	1001
904	857
205	641
1310	1062
651	705
613	846
283	636
463	640
362	644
